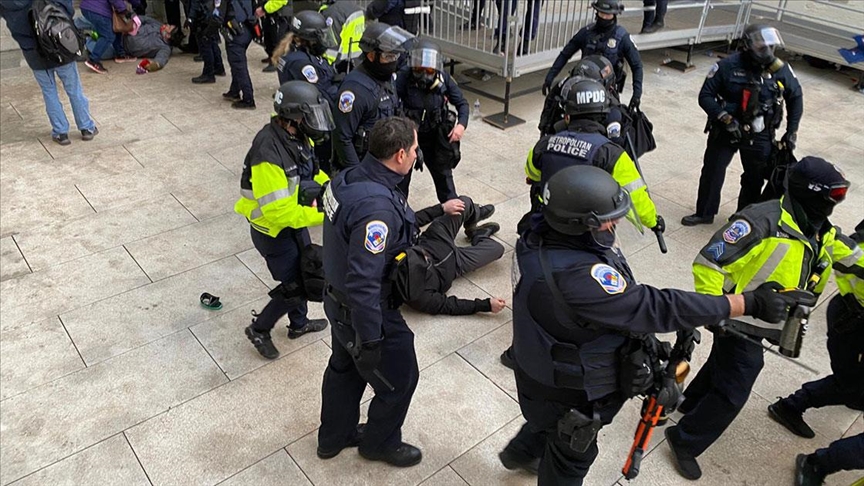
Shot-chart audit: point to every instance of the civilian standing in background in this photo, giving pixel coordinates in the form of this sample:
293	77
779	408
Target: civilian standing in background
99	13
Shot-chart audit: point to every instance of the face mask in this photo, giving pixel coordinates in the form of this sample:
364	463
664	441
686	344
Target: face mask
382	72
604	239
422	79
764	56
605	24
317	50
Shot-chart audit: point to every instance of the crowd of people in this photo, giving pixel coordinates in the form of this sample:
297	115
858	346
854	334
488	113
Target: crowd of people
361	106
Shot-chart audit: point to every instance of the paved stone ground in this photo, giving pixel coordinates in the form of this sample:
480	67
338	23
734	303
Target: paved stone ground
113	374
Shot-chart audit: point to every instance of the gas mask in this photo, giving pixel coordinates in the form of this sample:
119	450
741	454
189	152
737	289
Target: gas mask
424	78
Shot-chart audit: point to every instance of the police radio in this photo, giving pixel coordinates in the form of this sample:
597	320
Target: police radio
795	327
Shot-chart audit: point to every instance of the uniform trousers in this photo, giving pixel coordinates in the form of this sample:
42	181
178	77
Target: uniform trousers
208	46
241	83
718	155
282	255
559	464
344	384
438	238
719	392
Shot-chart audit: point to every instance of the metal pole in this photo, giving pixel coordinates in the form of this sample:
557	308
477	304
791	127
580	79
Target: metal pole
781	9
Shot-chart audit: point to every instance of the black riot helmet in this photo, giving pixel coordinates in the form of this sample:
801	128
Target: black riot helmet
381	37
816	185
312	27
302	104
582	96
613	7
595	67
581	199
760	41
426	54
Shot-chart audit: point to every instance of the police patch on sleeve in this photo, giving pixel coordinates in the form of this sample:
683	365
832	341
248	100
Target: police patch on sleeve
346	102
737	230
608	278
713	71
716	250
613	130
376	236
310	74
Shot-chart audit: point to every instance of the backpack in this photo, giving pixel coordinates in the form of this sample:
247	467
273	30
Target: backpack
56	35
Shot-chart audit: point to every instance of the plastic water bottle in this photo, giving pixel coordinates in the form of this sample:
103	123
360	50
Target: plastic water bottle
475	112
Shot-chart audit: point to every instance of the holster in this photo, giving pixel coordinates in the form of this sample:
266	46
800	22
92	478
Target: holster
579	430
292	293
361	142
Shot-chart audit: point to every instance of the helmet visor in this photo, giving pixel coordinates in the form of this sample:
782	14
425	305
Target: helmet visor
327	37
426	58
318	117
767	37
395	39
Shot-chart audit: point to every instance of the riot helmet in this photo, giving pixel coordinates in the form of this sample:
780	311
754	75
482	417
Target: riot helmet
595	67
614	7
582	96
302	104
816	186
585	199
760	41
312	27
380	37
426	63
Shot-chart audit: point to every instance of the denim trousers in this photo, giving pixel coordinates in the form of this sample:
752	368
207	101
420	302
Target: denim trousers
105	28
68	74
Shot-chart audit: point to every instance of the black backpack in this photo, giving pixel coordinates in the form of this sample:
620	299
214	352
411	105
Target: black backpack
57	37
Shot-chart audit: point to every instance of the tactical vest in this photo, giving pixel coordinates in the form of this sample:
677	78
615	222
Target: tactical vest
427	107
589	359
568	148
388	105
608	45
353	195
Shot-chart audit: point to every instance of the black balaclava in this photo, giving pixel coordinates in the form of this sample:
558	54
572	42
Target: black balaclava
805	189
423	80
603	25
317	49
378	70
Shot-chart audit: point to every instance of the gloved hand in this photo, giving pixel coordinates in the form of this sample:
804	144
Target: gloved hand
418	162
766	303
634	103
368	357
547	86
790	139
733	128
660	227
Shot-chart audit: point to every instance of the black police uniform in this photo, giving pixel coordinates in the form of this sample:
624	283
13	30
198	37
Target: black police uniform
724	90
363	100
274	144
207	37
301	65
440	261
428	107
392	12
367	223
238	36
562	364
274	25
614	44
617	121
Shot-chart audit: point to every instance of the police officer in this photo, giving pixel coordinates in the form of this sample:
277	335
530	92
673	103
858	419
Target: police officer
742	97
599	69
426	90
845	386
298	57
584	142
400	13
348	21
426	271
275	18
205	21
607	38
367	93
280	184
788	243
239	18
582	325
368	222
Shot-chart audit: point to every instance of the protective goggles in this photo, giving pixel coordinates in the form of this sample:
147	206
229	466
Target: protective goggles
388	57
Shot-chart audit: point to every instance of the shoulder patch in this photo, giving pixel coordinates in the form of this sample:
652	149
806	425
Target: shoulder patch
739	229
714	69
613	130
376	236
310	73
346	101
716	250
608	278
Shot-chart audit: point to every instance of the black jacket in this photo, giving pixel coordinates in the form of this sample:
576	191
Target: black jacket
17	16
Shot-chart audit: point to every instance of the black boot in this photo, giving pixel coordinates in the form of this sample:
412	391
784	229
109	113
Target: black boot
685	462
353	442
483	212
784	414
807	473
314	325
480	232
243	105
512	461
262	342
204	79
695	219
507	359
405	455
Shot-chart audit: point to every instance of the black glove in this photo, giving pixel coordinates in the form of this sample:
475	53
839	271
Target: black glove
789	139
767	304
368	357
418	162
732	127
547	86
660	227
634	103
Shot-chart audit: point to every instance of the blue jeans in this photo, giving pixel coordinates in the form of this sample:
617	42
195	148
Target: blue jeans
105	28
68	74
